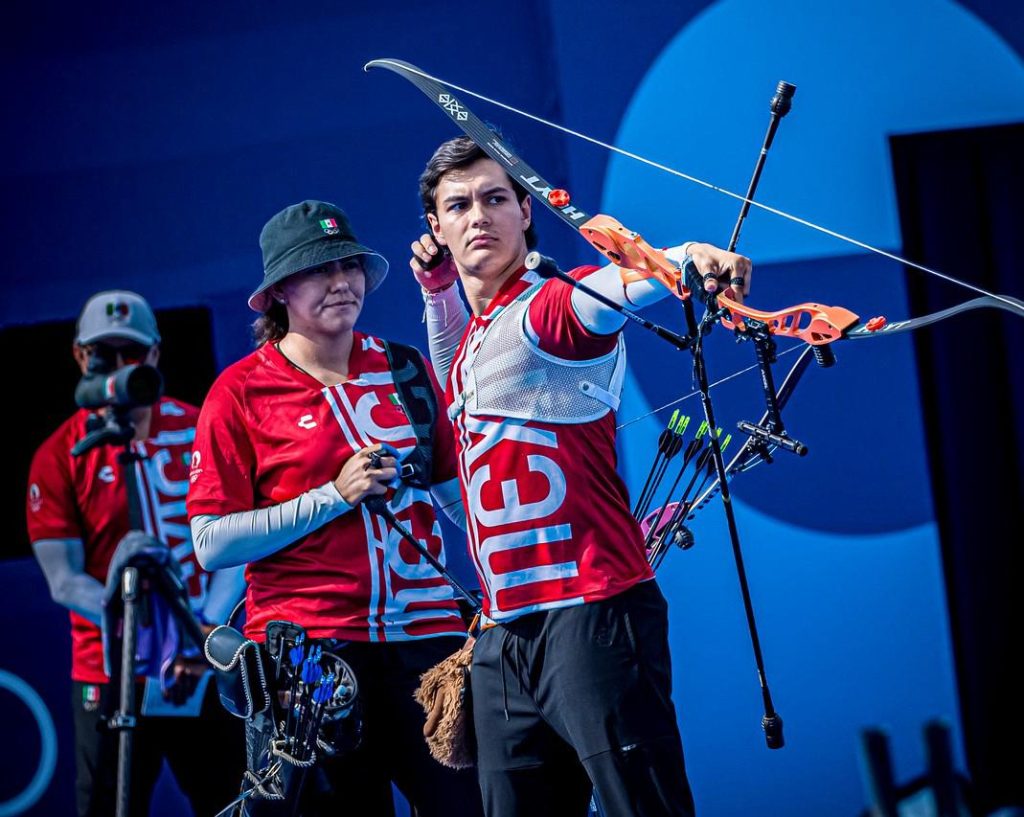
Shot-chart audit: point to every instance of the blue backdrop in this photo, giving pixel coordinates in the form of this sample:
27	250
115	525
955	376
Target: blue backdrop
145	148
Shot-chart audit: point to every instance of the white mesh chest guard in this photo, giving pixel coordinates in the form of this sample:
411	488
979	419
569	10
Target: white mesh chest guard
512	377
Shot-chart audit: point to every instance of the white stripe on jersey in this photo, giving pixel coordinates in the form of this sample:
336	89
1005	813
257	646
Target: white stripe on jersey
331	395
541	605
373	379
493	432
371	523
530	575
514	578
524	539
185	435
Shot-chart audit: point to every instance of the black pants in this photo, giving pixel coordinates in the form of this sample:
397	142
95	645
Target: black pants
358	784
578	698
204	753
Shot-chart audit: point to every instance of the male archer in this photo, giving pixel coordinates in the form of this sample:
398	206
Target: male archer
572	686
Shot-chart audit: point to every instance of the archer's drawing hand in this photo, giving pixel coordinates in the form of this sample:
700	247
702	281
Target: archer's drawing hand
433	268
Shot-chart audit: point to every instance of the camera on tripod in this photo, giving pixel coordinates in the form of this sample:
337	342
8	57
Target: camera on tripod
120	390
103	384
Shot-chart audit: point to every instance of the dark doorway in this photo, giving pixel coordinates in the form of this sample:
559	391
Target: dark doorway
958	194
43	375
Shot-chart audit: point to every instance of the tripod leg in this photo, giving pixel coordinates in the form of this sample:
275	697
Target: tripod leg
124	720
877	770
941	775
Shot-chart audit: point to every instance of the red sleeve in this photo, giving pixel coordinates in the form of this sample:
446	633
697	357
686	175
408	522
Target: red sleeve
445	466
50	507
559	331
223	459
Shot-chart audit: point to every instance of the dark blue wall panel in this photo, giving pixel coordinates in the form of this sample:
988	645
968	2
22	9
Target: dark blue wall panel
144	147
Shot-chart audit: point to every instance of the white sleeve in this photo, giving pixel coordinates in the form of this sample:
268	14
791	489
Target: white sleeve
446	317
449	497
602	319
248	536
63	564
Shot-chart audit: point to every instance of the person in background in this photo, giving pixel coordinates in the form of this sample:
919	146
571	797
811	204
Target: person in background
77	510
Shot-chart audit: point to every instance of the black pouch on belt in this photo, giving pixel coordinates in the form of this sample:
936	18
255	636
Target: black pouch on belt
239	672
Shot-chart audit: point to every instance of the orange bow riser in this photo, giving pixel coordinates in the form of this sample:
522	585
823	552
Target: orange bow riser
815	324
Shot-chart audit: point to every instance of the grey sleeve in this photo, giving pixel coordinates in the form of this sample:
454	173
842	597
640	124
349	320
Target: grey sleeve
63	564
446	317
248	536
449	497
224	592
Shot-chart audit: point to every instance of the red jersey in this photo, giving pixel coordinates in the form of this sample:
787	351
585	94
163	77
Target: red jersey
85	498
548	515
268	432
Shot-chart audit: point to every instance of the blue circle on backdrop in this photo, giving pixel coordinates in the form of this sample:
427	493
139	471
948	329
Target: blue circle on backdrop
40	781
864	71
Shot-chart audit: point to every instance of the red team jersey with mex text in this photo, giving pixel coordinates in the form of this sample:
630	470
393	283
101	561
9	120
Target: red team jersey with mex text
548	515
269	432
85	498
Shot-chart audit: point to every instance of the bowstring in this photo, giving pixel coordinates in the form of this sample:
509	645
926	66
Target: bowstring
717	188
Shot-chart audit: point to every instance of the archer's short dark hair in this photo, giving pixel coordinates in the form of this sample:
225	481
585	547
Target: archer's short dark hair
455	154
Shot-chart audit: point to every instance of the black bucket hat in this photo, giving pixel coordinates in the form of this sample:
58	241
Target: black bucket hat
307	235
